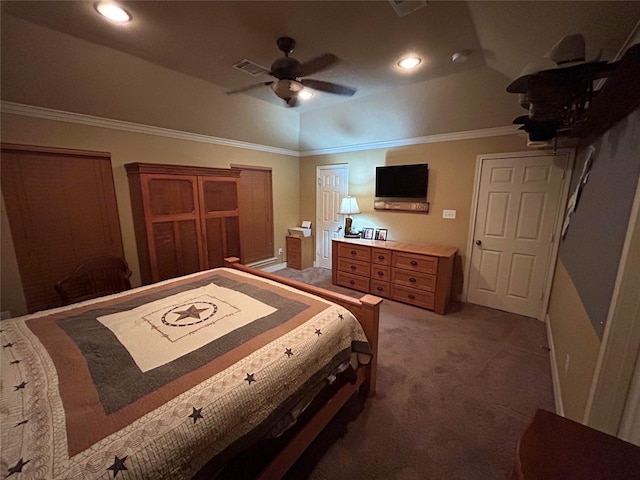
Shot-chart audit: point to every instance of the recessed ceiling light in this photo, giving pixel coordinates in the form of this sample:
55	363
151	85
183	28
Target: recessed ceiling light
113	12
409	62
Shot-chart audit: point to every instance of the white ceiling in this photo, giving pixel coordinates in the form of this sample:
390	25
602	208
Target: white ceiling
205	38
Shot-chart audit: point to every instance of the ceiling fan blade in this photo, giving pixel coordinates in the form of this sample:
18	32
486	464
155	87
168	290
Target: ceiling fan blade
249	87
318	63
328	87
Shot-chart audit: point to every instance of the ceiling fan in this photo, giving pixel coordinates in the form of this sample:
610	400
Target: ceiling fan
289	74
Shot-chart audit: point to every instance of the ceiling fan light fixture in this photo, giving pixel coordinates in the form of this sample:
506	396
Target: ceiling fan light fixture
409	62
305	94
113	12
286	89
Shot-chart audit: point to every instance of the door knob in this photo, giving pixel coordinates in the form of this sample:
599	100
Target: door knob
478	242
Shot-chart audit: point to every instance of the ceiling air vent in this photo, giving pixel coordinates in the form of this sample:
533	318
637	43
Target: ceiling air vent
247	66
405	7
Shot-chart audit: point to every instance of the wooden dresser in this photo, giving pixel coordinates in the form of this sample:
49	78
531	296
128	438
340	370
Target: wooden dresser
414	273
299	252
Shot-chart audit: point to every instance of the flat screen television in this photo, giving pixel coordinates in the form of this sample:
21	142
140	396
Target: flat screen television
402	181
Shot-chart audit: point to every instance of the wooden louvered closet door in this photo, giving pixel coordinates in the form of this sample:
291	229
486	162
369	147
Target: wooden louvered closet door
62	210
220	216
186	218
174	225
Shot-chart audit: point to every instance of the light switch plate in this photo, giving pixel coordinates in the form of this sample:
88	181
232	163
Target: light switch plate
450	214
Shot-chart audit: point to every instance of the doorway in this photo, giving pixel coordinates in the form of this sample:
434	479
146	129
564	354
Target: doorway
516	219
333	182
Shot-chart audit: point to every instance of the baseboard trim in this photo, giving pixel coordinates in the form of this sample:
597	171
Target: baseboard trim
273	268
262	264
555	378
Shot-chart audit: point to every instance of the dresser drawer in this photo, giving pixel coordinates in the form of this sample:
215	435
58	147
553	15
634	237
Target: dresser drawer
380	256
294	245
353	281
355	252
419	298
418	263
421	281
354	266
380	273
381	289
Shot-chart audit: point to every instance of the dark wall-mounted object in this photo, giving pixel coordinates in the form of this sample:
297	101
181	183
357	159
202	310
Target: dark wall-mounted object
402	181
564	99
618	97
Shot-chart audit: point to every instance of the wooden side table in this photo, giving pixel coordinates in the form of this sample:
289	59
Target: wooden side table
556	448
300	252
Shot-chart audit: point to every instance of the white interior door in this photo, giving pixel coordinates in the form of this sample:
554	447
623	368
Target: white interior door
332	181
517	207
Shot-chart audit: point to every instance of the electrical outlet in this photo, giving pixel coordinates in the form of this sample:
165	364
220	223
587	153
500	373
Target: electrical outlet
450	214
280	251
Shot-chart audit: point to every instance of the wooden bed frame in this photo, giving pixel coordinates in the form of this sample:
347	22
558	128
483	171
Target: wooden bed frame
367	311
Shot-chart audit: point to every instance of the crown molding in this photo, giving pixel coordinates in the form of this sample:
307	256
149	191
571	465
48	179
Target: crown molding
90	120
443	137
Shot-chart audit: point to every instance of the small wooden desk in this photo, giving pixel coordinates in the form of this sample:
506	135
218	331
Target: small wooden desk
556	448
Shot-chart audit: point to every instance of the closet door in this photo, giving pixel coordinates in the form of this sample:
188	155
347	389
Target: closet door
172	225
256	204
220	218
61	207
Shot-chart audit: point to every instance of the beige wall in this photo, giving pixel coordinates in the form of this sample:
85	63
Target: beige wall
575	343
451	176
127	147
593	376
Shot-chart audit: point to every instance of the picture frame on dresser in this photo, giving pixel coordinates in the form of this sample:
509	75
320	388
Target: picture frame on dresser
367	233
381	234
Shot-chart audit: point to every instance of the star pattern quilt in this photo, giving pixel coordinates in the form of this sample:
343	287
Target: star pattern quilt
157	381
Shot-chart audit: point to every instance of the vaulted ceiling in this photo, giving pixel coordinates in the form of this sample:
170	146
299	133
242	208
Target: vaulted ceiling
203	40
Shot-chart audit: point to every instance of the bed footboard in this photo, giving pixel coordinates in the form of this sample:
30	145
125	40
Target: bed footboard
366	309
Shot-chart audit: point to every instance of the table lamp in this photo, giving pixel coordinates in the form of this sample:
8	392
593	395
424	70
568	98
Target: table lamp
348	207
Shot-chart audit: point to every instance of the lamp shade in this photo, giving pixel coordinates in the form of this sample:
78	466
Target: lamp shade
349	206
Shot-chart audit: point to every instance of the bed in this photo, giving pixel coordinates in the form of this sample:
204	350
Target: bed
179	377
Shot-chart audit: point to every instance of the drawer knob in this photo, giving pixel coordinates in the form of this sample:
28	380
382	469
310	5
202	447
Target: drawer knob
381	273
380	257
412	280
379	289
411	296
414	263
352	282
353	267
353	252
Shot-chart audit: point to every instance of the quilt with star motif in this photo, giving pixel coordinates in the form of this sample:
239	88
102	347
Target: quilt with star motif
155	382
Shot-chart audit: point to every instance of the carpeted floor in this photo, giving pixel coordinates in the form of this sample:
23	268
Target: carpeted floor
454	394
